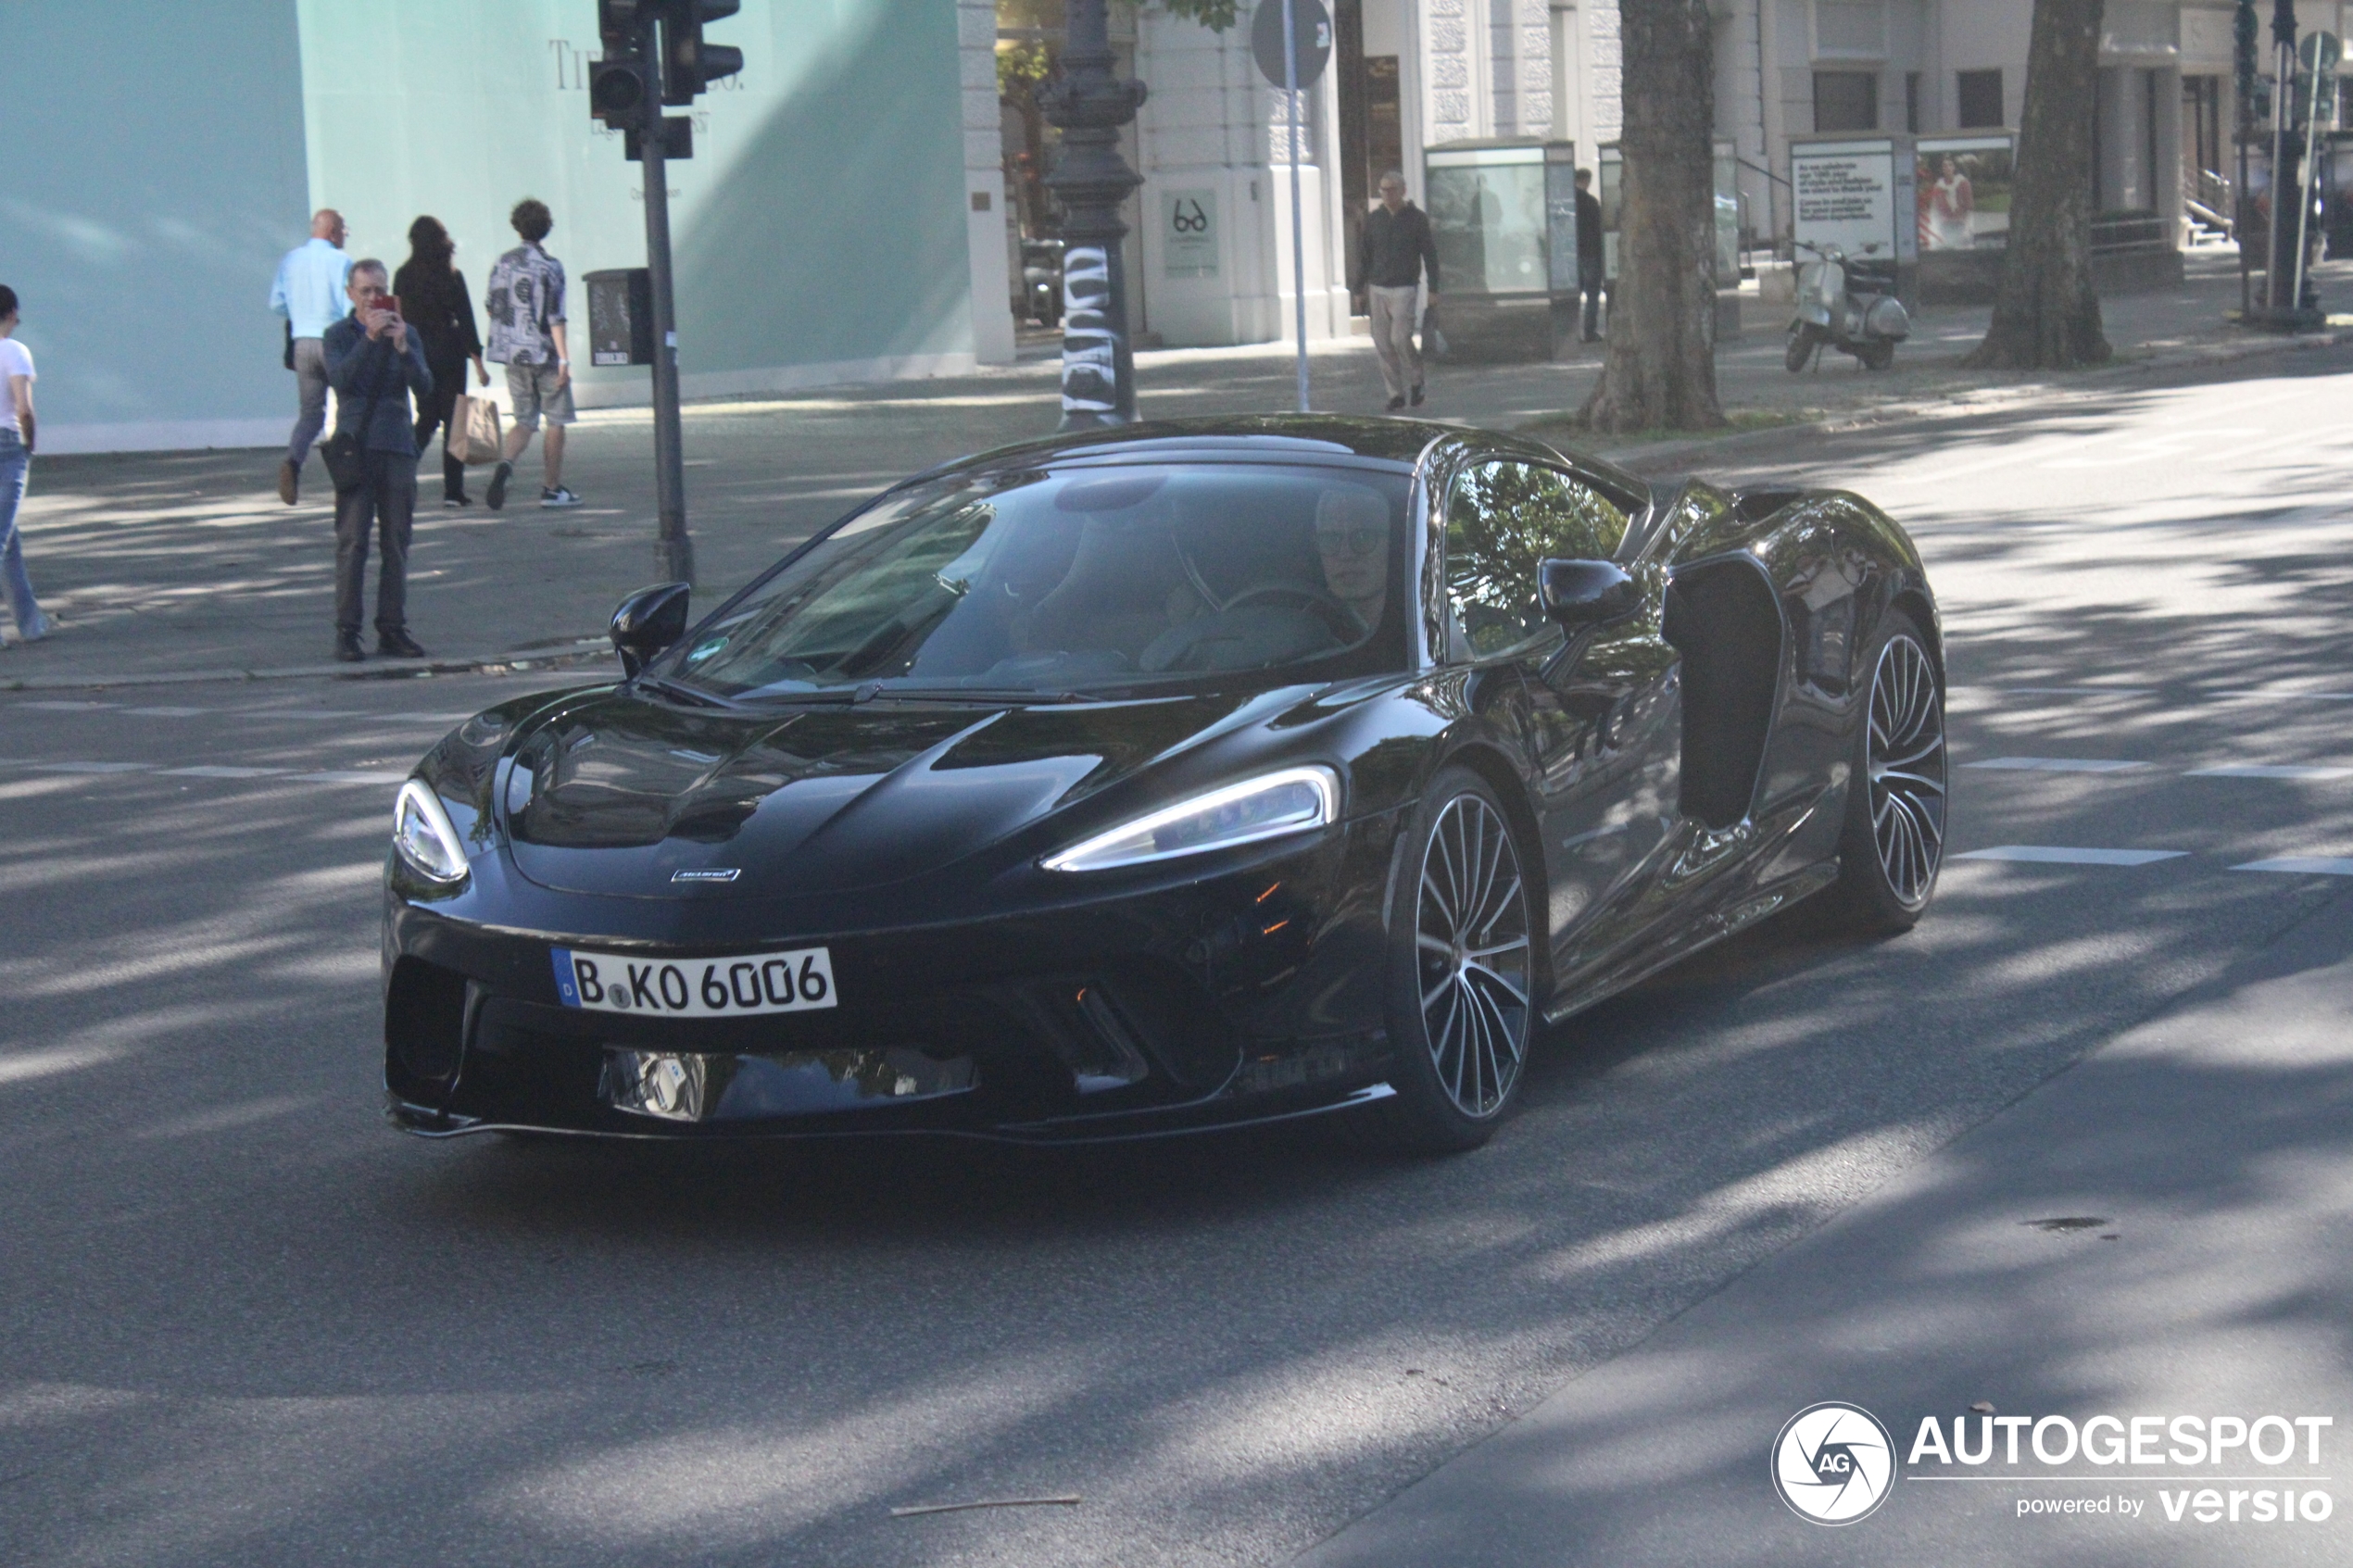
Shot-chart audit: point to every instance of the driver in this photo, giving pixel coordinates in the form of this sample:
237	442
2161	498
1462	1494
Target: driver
1351	541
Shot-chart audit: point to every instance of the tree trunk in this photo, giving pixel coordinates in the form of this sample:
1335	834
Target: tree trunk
1660	366
2047	314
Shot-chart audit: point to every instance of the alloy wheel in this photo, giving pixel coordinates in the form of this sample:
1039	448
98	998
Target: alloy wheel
1471	939
1907	760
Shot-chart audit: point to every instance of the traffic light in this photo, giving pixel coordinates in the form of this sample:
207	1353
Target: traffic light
617	23
620	82
617	91
688	63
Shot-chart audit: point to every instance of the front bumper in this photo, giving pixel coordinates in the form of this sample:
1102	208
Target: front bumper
1250	993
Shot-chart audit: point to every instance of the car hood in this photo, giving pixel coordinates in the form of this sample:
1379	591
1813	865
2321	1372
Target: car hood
619	794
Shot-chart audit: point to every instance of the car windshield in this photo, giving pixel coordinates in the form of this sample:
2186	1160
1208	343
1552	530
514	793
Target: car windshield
1078	579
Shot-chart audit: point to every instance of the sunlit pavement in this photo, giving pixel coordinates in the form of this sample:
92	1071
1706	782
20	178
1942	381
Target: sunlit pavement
244	1322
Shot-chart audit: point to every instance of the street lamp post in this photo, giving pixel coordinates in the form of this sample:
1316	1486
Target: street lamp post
1089	104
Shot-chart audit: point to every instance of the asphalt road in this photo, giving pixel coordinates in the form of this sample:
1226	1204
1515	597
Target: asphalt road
241	1321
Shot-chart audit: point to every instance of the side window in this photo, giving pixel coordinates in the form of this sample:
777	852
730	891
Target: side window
1500	521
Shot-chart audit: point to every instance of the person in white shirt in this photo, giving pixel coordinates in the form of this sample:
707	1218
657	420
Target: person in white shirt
310	293
16	464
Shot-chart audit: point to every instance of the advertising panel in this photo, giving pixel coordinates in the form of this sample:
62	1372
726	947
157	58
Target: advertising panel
1964	191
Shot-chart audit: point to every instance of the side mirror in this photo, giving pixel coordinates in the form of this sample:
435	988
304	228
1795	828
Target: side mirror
647	621
1587	593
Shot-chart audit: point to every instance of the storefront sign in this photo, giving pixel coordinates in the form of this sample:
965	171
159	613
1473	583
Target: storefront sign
1189	234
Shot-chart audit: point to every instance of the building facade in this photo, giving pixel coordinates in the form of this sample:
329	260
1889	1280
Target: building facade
1411	75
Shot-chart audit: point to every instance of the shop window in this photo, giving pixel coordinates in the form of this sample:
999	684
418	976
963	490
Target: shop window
1845	100
1981	93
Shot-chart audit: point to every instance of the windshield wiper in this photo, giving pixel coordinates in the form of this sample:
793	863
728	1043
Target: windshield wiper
978	694
687	694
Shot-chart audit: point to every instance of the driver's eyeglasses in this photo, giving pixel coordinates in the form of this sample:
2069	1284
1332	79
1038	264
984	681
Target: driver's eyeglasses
1362	539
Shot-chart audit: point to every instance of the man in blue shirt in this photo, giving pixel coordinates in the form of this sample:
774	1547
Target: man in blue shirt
308	292
375	361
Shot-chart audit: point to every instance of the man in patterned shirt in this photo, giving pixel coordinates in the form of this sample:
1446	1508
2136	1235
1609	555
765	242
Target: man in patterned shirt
527	308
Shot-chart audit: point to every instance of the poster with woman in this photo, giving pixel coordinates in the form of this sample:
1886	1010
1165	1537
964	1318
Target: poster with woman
1965	192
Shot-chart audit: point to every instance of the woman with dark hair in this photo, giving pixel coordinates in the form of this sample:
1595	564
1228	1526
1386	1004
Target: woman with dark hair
435	303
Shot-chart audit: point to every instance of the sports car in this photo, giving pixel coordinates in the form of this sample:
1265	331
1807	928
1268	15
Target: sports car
1175	776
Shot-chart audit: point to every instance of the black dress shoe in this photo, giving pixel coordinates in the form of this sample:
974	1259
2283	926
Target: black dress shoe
1417	398
1395	403
397	645
348	647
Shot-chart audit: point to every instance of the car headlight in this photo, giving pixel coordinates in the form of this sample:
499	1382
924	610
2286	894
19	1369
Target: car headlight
424	836
1291	801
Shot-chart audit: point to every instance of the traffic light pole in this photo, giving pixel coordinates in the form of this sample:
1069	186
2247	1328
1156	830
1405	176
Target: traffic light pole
673	551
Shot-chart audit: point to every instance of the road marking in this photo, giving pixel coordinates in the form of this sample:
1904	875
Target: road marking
2075	690
2269	771
68	707
2044	854
2316	865
300	714
2054	764
349	778
92	767
209	772
168	712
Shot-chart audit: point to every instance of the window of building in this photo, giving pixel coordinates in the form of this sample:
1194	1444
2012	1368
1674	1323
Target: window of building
1845	100
1980	93
1912	102
1850	27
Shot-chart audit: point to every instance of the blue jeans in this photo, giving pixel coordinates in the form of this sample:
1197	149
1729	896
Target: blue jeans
16	465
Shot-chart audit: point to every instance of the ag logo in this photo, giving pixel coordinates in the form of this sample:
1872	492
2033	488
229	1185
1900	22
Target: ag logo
1833	1464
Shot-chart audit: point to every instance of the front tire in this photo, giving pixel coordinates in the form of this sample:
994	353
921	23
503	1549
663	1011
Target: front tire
1462	965
1893	844
1878	355
1802	339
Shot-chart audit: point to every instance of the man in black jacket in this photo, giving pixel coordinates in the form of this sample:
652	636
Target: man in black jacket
375	361
1590	253
1392	251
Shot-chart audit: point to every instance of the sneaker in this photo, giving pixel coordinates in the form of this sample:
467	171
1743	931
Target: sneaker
1395	403
453	502
559	497
496	496
289	482
396	644
348	651
1417	400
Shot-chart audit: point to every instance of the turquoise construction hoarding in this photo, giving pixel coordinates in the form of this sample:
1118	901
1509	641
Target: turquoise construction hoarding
818	229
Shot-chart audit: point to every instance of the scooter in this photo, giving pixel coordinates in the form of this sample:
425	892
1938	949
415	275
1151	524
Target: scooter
1042	279
1854	310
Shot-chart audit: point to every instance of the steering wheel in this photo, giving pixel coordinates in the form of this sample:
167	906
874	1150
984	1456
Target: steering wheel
1345	624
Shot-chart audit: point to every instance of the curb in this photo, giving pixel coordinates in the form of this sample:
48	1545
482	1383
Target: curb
1639	458
488	665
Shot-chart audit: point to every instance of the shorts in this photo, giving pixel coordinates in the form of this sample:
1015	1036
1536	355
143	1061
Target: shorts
528	386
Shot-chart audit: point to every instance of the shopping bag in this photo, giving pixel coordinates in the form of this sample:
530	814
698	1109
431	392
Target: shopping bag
1433	340
473	435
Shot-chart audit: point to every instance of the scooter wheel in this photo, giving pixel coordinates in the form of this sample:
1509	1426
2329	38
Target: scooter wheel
1801	346
1877	355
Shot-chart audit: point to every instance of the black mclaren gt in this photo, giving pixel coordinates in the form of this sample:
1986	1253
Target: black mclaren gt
1175	776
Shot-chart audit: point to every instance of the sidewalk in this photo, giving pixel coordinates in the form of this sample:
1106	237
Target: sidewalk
183	566
2209	1145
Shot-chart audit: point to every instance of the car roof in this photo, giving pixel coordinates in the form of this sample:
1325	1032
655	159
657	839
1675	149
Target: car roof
1386	443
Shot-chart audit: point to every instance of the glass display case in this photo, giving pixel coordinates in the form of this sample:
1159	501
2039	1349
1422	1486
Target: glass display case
1487	213
1504	216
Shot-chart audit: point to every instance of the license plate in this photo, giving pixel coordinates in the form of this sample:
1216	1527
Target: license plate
740	986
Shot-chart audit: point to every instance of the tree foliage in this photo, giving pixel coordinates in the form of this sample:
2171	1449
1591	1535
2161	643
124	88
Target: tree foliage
1214	15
